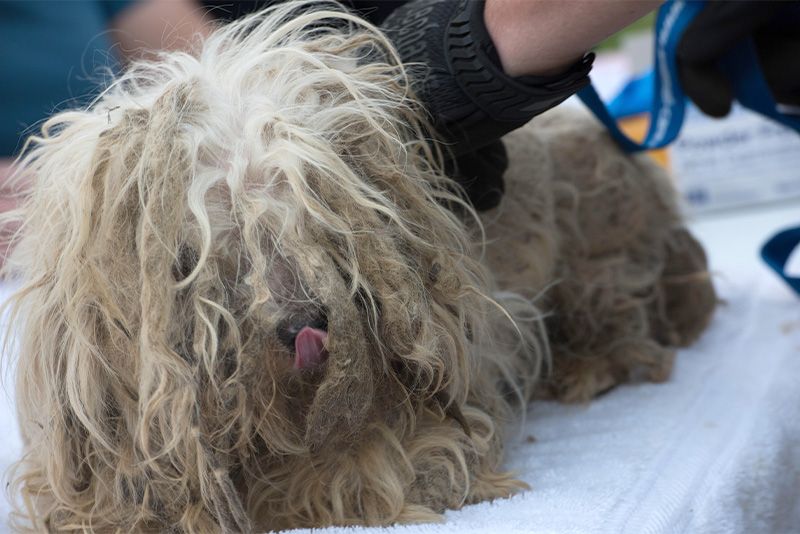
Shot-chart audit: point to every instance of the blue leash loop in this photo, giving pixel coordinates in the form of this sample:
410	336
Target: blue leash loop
669	104
669	100
776	253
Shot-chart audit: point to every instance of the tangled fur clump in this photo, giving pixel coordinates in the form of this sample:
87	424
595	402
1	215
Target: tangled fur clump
207	207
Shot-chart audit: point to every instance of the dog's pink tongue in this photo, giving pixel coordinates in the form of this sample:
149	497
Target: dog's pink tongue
309	348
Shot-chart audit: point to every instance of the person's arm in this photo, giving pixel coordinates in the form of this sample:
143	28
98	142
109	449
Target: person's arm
150	25
493	65
545	37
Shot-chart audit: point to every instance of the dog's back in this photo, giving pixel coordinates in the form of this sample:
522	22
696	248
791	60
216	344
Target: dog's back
597	235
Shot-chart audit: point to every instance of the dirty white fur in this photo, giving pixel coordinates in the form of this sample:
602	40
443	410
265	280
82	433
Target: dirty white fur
172	227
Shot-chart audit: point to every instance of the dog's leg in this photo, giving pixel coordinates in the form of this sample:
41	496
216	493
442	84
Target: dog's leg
634	333
441	454
686	295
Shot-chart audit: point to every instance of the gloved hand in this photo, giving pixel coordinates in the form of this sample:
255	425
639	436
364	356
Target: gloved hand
458	77
775	28
460	80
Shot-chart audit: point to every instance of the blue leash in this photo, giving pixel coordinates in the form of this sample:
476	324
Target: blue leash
669	104
669	101
776	253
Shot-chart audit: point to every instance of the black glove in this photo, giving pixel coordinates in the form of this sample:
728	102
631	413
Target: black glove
480	174
775	28
457	76
461	81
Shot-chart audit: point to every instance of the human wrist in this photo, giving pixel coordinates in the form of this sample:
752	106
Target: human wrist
463	85
545	37
512	25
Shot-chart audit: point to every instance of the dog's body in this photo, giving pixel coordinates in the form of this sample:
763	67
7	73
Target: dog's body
246	306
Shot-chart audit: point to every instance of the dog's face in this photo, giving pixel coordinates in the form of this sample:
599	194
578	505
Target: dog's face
238	259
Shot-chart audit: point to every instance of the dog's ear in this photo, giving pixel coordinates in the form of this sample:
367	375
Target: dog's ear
345	396
435	381
139	172
112	203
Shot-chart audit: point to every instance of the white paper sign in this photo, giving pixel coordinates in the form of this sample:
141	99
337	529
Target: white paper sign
740	160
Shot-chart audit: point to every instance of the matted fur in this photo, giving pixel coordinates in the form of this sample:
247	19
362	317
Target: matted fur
173	227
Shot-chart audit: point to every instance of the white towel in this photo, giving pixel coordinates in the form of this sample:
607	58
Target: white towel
716	449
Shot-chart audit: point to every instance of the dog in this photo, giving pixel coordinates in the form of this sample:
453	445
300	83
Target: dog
251	299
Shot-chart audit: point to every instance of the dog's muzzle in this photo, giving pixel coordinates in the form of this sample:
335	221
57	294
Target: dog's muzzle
308	336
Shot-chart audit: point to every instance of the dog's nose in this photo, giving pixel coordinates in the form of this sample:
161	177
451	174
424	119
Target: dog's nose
306	335
292	325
